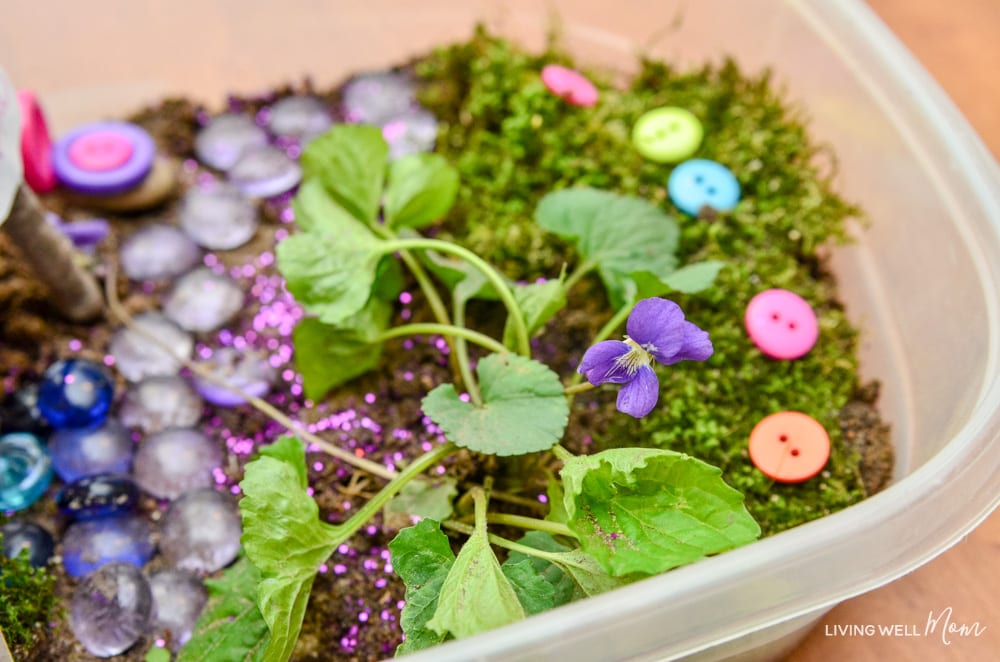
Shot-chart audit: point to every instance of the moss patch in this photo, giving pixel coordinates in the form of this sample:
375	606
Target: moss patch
27	598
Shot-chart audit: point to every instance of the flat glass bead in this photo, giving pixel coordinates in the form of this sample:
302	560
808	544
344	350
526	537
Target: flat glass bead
201	531
110	609
136	358
203	301
218	217
93	497
85	452
159	403
378	97
413	132
157	252
178	598
246	370
20	535
90	544
25	470
221	142
299	117
75	393
264	172
172	462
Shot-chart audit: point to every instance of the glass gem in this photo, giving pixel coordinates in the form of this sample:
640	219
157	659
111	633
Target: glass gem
102	495
263	172
25	470
20	535
137	358
172	462
247	370
178	598
378	97
201	531
203	301
156	252
221	142
75	393
158	403
19	412
88	451
90	544
299	117
110	609
218	217
410	133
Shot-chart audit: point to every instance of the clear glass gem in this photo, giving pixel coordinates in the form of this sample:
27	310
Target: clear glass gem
158	403
172	462
412	132
156	252
110	609
263	172
299	117
221	142
201	531
85	452
25	470
218	217
378	97
90	544
203	301
102	495
75	393
137	358
20	535
178	598
247	370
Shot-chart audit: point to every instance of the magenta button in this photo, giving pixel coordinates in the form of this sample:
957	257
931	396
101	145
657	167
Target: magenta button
569	84
100	151
782	324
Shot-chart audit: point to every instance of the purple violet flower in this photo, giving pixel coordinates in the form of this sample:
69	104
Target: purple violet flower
656	330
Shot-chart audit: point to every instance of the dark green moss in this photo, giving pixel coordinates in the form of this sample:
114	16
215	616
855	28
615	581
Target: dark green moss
513	142
27	596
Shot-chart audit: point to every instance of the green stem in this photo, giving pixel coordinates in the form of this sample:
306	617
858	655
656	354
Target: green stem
501	287
447	330
462	354
563	454
530	523
481	502
502	542
581	270
609	327
578	388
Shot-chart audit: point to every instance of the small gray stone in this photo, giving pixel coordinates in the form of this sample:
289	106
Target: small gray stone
412	132
138	358
170	463
178	598
110	609
158	403
158	251
263	172
299	117
218	217
203	301
376	98
201	531
221	142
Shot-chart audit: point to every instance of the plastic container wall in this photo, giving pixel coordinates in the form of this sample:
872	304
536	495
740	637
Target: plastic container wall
923	282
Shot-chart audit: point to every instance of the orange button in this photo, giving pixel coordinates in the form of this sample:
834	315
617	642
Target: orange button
789	446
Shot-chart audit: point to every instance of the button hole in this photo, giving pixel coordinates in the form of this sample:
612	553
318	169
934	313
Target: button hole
795	452
698	179
711	190
775	316
791	325
783	437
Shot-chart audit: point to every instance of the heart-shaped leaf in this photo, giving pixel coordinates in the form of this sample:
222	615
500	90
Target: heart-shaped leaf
349	162
421	189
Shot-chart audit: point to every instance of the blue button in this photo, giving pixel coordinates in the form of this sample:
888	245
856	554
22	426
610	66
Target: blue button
701	183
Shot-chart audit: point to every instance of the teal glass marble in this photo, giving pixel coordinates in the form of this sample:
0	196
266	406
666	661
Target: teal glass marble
25	470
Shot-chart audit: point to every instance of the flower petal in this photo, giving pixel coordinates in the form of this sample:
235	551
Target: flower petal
658	323
639	396
697	346
599	364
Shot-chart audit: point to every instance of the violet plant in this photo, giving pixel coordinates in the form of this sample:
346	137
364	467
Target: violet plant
615	517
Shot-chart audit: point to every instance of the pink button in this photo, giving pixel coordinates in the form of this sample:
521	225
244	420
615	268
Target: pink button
100	151
569	84
782	324
36	146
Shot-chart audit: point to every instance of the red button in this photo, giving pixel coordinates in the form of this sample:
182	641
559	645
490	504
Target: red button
782	324
789	447
100	151
569	84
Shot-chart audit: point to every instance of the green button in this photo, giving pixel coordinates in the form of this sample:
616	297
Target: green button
667	135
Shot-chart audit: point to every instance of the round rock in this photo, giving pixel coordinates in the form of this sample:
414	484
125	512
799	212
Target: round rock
203	301
410	133
19	536
111	609
221	142
266	171
247	370
178	598
176	461
90	544
157	252
85	452
153	190
158	403
299	117
376	98
137	358
201	531
93	497
218	217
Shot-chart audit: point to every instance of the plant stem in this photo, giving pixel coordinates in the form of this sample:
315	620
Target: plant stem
118	311
530	523
448	330
609	327
517	500
462	353
578	388
581	270
481	501
502	542
501	287
563	454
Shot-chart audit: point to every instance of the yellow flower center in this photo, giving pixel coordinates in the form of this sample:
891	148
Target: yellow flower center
636	357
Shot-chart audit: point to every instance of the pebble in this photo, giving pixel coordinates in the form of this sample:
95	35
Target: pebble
137	358
247	370
299	117
156	252
19	412
20	535
75	393
265	171
223	140
155	189
377	98
201	531
203	301
158	403
178	598
90	544
101	495
413	132
218	217
172	462
25	470
89	451
111	609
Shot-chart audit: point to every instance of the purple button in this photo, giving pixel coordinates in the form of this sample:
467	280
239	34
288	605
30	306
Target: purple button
782	324
103	158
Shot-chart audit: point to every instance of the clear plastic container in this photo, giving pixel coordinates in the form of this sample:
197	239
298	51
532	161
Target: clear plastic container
922	282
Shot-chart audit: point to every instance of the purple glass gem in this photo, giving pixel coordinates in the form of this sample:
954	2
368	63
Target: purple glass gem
110	609
88	545
218	217
201	531
410	133
84	452
104	180
137	358
301	118
178	598
247	370
265	171
158	251
376	98
102	495
203	301
172	462
158	403
85	234
224	139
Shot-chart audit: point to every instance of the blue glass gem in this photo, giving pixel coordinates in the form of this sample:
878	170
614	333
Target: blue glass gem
79	453
97	496
89	545
75	393
698	183
19	412
25	470
19	536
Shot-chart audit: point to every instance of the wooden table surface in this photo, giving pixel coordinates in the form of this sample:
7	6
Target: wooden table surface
958	41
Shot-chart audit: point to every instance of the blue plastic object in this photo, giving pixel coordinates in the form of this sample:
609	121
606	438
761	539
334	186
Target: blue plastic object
75	393
698	183
25	470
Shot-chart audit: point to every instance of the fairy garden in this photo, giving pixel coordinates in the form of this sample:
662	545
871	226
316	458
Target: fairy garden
347	373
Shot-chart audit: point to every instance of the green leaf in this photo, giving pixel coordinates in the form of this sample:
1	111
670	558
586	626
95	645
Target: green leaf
331	276
290	450
389	279
638	510
562	588
476	595
157	654
619	234
587	573
524	409
316	211
284	537
557	507
464	280
533	592
349	162
425	499
329	355
230	628
422	557
421	189
688	279
538	302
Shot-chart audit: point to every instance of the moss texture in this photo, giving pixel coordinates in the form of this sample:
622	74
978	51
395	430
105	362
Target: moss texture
27	597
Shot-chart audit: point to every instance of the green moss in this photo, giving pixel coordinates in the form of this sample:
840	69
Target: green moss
513	142
27	596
